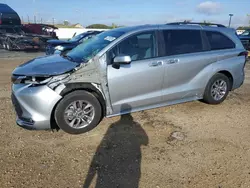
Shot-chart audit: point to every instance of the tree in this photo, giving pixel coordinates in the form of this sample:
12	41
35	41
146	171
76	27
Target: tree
66	22
206	22
187	21
114	25
98	26
243	28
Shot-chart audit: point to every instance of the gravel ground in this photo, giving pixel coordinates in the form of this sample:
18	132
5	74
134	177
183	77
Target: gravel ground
182	146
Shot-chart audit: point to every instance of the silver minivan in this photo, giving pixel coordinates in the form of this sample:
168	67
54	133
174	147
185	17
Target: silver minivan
126	70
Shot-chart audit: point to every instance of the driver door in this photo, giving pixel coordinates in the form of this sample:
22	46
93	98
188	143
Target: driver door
137	85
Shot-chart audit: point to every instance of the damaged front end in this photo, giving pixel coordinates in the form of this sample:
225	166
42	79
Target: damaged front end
34	81
16	42
38	87
41	83
34	99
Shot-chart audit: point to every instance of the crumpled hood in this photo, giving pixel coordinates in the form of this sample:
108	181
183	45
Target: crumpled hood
59	42
45	66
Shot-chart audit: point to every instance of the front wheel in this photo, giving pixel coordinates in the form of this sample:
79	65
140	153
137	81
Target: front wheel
78	112
217	89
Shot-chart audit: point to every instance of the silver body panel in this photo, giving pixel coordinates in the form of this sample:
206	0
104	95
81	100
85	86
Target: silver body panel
36	104
171	79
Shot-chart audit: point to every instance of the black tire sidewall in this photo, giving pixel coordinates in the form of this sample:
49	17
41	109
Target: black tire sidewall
207	94
69	98
10	47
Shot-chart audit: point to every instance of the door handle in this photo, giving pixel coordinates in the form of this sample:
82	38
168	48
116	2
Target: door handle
172	61
156	63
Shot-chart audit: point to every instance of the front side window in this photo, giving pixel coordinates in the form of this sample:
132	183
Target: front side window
182	41
138	47
218	41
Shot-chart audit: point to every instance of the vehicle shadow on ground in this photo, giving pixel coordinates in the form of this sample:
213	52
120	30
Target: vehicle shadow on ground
117	160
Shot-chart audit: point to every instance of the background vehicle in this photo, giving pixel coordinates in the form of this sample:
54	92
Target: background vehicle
8	16
64	46
40	29
126	70
245	39
15	36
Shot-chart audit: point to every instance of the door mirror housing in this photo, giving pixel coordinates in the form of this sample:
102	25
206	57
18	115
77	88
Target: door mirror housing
121	60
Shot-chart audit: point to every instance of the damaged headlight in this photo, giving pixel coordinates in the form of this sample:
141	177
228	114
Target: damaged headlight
57	80
51	82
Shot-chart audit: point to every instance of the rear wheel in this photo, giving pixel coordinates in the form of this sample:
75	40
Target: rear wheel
78	112
217	89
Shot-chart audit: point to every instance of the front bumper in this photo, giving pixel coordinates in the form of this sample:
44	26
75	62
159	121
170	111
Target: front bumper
34	105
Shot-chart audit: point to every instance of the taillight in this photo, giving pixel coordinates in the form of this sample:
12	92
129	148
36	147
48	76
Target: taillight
245	53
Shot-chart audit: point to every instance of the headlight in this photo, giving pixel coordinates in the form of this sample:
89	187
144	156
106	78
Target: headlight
59	48
51	82
57	80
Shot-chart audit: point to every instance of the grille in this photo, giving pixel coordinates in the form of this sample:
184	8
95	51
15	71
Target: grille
16	105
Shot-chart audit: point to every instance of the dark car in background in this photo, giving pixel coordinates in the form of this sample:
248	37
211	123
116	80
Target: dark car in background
63	46
245	39
8	16
17	36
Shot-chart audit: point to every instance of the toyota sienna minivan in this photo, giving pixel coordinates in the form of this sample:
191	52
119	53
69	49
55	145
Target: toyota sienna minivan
126	70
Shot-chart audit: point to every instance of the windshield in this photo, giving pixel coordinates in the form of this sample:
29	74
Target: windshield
246	33
87	50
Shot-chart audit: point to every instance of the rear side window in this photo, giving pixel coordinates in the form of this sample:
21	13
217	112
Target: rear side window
218	41
182	41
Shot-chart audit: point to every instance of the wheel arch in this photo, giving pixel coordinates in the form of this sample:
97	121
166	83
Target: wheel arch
230	77
70	87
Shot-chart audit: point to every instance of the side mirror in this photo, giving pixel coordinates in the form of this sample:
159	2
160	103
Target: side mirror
124	59
118	60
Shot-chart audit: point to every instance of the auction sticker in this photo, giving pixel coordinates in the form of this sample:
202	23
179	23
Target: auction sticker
109	38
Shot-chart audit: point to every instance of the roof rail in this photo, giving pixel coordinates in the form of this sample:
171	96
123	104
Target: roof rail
196	23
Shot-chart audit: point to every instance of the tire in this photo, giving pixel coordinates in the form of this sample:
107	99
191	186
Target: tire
209	96
8	46
63	119
4	45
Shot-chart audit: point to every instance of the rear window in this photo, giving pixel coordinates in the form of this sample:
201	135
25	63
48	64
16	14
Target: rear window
182	41
218	41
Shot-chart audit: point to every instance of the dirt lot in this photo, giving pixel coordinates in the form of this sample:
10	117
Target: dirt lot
210	148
